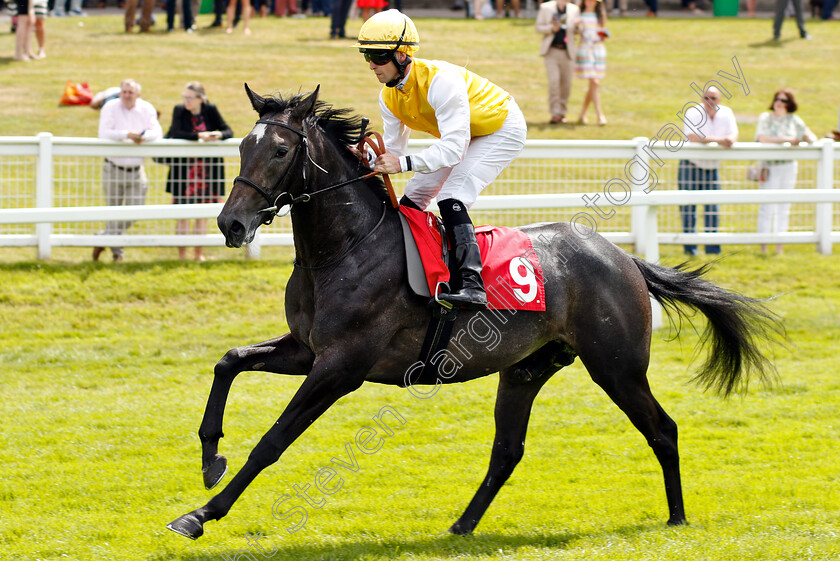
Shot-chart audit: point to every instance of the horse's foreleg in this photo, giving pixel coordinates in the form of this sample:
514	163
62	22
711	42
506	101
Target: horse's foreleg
328	381
513	409
283	356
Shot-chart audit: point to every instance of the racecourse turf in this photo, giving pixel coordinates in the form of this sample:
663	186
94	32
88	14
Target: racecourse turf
106	370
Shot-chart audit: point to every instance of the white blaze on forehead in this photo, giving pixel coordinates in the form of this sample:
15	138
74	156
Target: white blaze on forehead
258	132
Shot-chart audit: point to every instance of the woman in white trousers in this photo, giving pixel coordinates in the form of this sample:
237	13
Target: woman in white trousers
779	126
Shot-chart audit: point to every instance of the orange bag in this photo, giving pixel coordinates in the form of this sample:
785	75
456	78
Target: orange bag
76	94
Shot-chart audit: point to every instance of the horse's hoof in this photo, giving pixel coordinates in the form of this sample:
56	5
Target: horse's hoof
214	472
188	526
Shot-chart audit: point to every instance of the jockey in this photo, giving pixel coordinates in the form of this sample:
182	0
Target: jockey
479	126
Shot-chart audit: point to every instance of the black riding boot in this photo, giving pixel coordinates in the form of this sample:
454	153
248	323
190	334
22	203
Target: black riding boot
471	294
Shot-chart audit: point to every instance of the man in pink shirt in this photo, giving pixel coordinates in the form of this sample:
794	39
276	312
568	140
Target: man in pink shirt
717	125
124	179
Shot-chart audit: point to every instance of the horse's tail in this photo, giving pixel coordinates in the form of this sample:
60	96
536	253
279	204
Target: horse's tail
737	323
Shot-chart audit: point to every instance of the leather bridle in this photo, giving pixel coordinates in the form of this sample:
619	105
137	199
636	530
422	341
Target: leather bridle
274	204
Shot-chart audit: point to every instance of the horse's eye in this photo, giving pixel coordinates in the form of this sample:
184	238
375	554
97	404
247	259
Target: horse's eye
282	151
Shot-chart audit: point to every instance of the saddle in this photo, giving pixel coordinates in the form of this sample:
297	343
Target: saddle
511	267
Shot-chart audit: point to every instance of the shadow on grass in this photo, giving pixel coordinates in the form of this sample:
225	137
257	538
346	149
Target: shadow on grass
773	43
571	125
443	546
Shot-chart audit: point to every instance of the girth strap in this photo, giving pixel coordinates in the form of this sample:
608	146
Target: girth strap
437	338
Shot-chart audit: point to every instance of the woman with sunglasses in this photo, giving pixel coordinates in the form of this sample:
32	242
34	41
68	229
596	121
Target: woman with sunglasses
479	127
779	126
196	180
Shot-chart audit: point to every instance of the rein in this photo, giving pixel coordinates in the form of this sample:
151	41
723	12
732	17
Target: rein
377	146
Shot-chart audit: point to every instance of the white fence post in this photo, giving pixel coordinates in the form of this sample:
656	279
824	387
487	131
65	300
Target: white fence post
638	214
651	218
44	192
825	179
254	250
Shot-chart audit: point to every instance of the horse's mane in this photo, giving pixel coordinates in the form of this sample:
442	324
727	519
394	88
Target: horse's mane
341	126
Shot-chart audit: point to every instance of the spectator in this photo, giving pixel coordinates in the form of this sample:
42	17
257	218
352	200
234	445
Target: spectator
103	97
338	18
369	7
124	179
478	7
751	8
691	6
781	6
146	9
25	11
779	126
500	5
835	134
591	54
285	8
68	7
557	20
717	125
653	8
196	180
219	9
321	8
186	15
40	33
620	8
246	15
479	126
828	9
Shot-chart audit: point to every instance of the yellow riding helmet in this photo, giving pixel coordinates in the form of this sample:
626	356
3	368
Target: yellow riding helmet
390	30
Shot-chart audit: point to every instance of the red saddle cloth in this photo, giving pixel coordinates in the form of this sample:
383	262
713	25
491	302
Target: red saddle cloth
511	269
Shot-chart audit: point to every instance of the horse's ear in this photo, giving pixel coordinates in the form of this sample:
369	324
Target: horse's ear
257	102
307	105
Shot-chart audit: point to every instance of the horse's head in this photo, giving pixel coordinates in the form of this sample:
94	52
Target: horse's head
273	156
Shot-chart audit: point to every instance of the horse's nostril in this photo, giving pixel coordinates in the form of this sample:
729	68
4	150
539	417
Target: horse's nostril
237	229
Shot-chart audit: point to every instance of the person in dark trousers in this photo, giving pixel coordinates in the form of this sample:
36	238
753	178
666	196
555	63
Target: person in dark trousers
338	18
781	6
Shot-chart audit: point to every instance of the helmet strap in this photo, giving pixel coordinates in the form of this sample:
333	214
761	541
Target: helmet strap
401	68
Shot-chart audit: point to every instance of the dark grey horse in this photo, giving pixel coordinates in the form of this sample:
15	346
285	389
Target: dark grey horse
353	319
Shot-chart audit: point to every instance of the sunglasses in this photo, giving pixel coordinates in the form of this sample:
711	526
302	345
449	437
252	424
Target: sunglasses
710	98
783	100
378	57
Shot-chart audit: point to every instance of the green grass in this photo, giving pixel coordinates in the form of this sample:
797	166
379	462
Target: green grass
106	370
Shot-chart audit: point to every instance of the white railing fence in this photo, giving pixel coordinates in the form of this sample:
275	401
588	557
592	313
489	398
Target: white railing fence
51	193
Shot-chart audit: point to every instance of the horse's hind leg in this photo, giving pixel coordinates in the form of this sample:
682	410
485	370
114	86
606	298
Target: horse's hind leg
626	384
518	386
282	356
